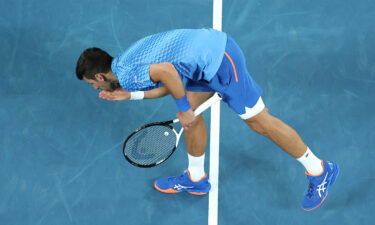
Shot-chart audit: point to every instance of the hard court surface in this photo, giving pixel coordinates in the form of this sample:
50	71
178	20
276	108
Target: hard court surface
60	145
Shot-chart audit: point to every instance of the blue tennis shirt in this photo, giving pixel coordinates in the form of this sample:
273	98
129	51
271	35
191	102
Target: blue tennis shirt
196	55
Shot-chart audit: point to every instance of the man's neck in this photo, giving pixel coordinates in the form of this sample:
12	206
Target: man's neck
111	76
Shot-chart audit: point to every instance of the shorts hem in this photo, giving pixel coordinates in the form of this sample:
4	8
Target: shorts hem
253	111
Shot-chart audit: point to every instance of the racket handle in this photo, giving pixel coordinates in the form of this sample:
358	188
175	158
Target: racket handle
205	105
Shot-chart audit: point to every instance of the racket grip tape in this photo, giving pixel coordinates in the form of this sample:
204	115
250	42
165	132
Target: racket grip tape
205	105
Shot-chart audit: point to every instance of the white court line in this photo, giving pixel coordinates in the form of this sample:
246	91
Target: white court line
214	165
214	135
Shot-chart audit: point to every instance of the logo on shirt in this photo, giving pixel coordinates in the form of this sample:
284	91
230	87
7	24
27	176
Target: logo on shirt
137	81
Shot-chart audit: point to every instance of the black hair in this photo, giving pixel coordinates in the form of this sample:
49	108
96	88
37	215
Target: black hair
93	61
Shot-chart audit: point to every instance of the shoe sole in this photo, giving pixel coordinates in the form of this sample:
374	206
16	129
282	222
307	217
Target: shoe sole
333	179
172	191
167	191
197	193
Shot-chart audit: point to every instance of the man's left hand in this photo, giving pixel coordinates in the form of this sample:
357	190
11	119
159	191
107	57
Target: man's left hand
116	95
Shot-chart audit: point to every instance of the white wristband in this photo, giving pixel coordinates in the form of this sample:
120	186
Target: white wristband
137	95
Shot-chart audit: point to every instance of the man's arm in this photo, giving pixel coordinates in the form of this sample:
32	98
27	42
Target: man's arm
121	94
157	92
168	75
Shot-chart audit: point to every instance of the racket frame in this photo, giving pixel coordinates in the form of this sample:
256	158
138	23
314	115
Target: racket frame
216	97
166	124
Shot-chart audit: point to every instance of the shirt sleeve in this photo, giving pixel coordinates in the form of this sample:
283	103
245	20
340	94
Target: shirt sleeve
137	78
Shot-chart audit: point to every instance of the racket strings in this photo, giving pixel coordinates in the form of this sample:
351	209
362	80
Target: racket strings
151	145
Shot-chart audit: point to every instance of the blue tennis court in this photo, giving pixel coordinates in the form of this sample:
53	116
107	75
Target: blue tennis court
61	158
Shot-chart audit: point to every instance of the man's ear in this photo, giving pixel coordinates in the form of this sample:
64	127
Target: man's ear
100	76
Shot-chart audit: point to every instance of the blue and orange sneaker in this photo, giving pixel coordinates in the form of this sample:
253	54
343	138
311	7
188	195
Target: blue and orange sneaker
172	185
319	185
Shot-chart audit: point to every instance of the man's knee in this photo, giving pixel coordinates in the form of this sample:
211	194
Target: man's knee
197	125
261	123
198	120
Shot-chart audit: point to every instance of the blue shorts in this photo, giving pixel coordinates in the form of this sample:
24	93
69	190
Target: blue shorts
233	82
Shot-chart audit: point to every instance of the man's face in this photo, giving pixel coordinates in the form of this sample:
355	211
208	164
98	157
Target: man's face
102	83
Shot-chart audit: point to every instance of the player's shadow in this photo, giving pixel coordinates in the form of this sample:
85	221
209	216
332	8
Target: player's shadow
168	208
265	176
344	194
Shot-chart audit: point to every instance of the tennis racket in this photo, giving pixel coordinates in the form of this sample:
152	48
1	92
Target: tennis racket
152	144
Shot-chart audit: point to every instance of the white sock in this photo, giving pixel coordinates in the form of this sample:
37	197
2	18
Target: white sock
312	164
196	167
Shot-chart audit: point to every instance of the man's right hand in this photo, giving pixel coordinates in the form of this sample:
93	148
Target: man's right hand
116	95
186	118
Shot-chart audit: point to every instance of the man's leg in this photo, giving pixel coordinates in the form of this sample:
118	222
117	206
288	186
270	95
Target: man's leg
196	137
286	138
243	95
280	133
194	180
321	174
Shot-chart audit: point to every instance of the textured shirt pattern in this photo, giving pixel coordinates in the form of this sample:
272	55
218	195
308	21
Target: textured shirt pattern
196	55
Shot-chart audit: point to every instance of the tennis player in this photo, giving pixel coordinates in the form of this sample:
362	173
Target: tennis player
191	65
